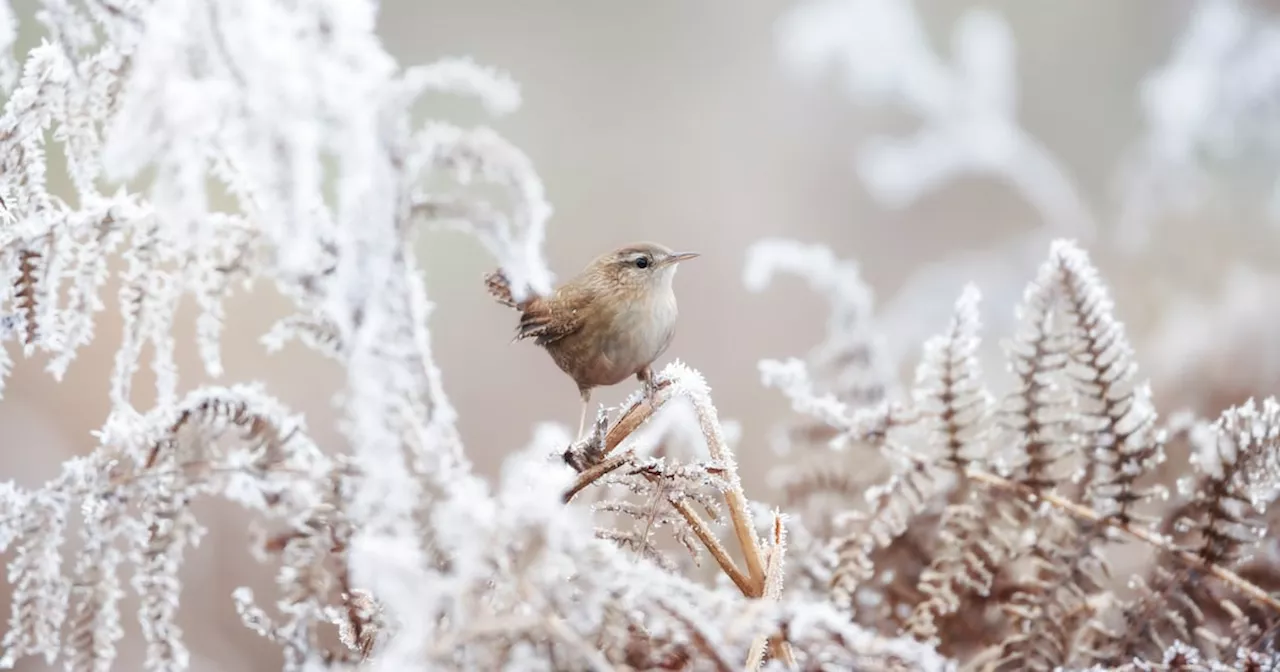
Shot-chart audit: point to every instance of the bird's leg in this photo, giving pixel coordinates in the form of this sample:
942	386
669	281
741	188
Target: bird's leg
582	419
645	376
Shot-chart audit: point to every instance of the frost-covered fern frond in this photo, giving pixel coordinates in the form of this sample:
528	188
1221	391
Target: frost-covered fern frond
134	495
850	358
979	544
300	116
844	392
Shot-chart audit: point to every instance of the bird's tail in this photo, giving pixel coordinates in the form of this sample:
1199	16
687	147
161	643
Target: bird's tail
499	288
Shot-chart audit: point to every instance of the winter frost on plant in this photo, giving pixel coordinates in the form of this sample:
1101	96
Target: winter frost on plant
391	541
923	524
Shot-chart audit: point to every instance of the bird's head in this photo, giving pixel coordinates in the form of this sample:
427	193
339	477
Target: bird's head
640	265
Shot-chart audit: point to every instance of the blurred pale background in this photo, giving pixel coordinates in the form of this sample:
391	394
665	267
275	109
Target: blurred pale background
677	122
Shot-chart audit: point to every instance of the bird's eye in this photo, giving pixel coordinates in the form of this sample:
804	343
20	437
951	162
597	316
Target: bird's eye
642	262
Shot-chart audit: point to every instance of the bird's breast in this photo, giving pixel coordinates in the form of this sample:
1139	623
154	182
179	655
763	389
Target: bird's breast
630	337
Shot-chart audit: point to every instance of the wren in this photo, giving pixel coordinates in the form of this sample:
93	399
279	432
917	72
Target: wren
608	323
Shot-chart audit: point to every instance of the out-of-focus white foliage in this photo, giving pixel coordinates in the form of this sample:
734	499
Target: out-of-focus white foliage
1209	104
966	106
8	35
1222	340
1209	134
852	354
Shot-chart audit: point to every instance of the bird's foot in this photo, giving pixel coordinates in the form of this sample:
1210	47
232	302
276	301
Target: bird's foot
651	386
651	394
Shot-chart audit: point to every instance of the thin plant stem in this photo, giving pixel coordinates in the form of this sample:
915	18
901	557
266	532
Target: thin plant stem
596	472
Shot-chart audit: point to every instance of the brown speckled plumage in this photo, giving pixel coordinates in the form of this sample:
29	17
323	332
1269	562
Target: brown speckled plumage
608	323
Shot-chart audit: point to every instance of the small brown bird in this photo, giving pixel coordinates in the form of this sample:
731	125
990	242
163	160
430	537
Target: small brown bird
607	324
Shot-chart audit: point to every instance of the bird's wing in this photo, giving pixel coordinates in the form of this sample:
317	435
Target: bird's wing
547	320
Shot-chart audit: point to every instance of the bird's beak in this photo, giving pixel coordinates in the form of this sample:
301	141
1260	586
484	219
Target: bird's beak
678	257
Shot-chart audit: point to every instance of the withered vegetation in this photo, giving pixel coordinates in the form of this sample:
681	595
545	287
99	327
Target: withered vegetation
993	535
953	521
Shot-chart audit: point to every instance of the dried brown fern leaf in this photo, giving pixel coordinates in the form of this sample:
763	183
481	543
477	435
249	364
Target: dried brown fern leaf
818	476
148	297
1064	571
1075	403
26	291
1216	526
885	600
625	640
359	621
88	242
949	408
213	271
258	421
976	531
1117	416
850	552
242	445
1262	570
357	615
313	331
1195	569
976	542
949	395
821	482
641	543
93	624
1242	476
824	639
39	601
1166	609
1038	421
980	532
1182	657
819	485
1113	420
1035	421
894	505
170	528
666	490
831	458
147	509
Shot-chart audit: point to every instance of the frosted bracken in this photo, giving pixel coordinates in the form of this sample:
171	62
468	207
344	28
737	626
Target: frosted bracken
923	525
984	528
